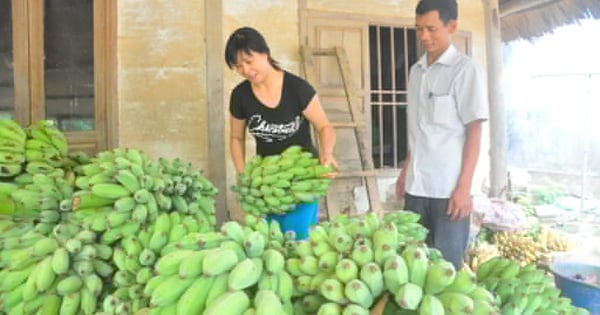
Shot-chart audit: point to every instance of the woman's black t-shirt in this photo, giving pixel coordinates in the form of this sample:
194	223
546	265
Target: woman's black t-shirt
277	128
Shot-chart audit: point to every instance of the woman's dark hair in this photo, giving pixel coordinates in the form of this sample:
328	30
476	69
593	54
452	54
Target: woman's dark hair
248	40
448	9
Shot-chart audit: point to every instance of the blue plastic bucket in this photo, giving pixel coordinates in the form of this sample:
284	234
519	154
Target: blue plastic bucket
299	220
582	294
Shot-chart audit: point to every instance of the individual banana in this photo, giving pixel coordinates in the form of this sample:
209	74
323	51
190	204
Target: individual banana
372	276
233	302
395	273
193	300
431	305
245	274
356	291
333	290
169	291
440	274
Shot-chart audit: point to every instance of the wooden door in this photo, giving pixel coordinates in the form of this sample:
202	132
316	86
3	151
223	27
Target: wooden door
352	35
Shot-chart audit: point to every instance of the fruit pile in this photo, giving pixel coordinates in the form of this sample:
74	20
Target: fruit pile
552	241
241	268
347	265
274	184
118	233
523	290
481	253
39	148
81	234
518	246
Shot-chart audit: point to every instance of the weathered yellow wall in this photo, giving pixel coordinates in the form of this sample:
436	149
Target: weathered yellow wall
399	8
161	78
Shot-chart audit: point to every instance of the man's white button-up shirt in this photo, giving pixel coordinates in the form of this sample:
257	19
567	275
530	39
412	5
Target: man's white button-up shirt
442	99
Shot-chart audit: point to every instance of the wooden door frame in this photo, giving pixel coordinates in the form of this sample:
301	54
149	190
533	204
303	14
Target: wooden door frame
29	71
20	30
306	14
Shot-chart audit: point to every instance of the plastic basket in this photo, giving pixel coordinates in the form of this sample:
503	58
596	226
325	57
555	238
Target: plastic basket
298	220
582	294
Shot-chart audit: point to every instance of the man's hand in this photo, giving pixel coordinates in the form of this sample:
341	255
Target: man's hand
400	188
460	204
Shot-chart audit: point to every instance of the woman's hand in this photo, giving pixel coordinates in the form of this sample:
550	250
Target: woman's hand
329	160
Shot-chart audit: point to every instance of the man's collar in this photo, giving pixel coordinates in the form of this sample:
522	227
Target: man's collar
449	57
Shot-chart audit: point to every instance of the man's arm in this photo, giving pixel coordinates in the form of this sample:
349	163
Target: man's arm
401	180
460	204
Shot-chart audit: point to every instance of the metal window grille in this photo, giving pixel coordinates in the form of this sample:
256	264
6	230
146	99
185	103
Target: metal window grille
392	51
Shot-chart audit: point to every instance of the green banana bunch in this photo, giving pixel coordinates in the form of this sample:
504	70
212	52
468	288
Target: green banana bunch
12	148
46	148
518	289
42	198
275	184
407	226
234	259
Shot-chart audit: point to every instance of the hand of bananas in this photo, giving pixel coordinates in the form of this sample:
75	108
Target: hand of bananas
275	184
39	148
530	248
523	290
237	268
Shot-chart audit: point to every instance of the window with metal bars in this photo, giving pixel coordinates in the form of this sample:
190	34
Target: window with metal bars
392	51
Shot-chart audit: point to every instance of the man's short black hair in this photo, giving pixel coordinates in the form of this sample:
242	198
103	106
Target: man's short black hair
448	9
248	40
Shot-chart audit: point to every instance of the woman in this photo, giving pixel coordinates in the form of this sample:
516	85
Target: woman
278	108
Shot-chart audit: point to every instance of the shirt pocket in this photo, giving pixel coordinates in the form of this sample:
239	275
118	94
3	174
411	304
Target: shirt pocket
444	110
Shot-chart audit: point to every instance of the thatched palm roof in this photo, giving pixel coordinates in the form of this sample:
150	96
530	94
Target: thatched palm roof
527	19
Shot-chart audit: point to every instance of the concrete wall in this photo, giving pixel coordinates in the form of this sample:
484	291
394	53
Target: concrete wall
161	78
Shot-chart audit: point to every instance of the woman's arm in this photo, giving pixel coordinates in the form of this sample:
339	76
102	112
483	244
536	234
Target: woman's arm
316	115
237	143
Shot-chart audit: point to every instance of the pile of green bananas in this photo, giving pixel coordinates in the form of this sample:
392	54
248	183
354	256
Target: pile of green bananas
524	290
86	236
349	264
46	147
136	257
242	269
64	272
121	190
12	148
39	148
43	200
276	183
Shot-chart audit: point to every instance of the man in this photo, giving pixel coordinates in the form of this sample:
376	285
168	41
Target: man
447	104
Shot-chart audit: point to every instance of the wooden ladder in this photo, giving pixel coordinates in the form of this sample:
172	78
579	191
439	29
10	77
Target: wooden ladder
357	122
